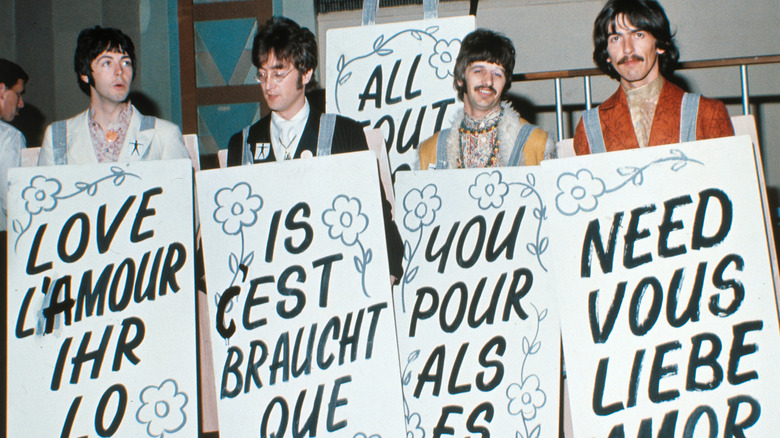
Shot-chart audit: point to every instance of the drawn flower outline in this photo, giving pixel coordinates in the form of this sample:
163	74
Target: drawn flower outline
526	399
345	221
578	191
443	57
489	190
414	426
41	194
381	47
237	207
421	207
44	194
162	408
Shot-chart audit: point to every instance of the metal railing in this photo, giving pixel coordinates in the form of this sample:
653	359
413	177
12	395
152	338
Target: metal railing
587	73
325	6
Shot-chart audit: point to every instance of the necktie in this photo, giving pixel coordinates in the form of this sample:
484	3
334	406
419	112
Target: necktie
286	139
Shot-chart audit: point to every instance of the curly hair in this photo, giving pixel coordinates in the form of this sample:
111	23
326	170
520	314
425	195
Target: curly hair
646	15
485	46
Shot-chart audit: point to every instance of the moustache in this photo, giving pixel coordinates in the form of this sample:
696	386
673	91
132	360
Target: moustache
630	58
487	87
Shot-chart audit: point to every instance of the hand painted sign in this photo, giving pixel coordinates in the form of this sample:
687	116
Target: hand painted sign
478	331
668	313
101	309
299	291
397	77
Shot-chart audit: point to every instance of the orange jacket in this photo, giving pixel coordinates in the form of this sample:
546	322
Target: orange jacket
713	121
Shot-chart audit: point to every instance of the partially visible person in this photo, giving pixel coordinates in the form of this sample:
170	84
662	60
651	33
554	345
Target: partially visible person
13	80
633	43
488	132
285	55
111	129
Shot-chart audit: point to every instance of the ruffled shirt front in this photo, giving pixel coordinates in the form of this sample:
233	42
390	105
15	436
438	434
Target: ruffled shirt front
641	104
108	141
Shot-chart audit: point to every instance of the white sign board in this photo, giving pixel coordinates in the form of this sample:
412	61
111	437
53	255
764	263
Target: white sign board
477	324
668	315
397	77
301	317
101	301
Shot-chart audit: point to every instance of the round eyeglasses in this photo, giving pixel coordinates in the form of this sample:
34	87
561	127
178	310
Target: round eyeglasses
276	76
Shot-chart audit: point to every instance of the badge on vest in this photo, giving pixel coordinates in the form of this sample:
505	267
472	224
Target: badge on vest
137	149
262	150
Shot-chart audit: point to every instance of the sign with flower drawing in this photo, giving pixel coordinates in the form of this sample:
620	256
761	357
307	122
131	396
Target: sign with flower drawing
478	330
397	77
301	318
666	292
101	301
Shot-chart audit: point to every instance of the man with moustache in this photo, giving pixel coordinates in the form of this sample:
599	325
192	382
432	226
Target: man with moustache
633	43
285	55
111	129
488	132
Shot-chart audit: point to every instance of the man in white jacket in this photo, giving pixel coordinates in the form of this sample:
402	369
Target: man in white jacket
111	129
12	82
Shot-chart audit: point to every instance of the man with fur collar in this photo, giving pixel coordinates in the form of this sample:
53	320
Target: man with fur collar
487	133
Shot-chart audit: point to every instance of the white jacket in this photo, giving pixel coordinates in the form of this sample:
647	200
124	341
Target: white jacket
163	141
11	144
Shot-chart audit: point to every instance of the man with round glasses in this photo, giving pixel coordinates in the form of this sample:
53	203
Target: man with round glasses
285	55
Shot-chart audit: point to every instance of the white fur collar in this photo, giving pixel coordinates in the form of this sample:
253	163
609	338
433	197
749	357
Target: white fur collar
508	128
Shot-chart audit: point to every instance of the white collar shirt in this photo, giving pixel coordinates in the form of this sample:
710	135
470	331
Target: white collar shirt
286	134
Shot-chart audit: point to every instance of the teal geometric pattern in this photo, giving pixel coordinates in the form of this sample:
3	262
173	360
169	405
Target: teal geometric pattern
223	57
217	123
223	52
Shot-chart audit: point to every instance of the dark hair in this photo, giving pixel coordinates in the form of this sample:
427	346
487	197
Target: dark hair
10	73
485	46
94	41
288	42
646	15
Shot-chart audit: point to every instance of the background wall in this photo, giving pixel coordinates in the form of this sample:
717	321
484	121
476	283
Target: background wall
548	35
